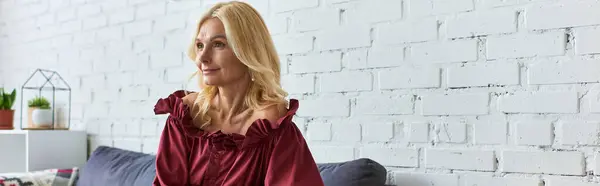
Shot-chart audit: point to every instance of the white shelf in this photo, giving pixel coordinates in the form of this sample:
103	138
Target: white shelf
33	150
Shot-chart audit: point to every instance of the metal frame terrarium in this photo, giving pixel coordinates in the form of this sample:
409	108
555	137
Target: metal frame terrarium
45	111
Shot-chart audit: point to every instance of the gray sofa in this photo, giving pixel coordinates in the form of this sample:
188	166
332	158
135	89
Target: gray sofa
116	167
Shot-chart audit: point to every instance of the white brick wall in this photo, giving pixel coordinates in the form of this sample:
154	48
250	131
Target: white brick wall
443	93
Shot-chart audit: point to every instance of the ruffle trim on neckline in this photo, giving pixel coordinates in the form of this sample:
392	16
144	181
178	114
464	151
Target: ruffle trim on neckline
258	130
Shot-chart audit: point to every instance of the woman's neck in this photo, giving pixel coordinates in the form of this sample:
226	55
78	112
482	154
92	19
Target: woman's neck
230	99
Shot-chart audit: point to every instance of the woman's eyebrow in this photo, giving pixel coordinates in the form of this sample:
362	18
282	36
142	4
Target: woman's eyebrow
213	37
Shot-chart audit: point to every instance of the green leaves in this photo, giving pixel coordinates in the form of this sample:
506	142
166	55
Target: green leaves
7	100
39	102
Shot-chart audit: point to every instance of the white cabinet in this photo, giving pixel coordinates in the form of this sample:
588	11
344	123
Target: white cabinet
33	150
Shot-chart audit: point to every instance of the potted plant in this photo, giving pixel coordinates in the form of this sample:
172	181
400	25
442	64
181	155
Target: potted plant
40	114
7	114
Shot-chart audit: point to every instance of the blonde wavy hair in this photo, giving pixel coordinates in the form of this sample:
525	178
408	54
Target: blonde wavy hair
250	40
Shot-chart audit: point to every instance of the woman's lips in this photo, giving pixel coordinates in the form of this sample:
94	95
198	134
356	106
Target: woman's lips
209	71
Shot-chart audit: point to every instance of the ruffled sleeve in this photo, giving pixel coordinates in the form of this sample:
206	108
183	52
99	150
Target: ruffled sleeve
291	162
174	146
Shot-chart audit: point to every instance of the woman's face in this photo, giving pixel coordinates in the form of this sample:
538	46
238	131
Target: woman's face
215	58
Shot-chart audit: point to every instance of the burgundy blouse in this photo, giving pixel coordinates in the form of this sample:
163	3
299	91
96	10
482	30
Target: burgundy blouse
269	154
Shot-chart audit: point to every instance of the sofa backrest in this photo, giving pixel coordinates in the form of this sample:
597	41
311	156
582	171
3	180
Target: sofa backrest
116	167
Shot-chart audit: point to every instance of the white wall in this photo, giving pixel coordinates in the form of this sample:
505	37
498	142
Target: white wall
449	93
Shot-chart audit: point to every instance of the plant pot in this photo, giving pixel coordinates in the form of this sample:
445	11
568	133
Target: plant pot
6	119
41	118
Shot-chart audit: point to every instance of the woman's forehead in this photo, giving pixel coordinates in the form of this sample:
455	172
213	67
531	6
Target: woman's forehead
210	28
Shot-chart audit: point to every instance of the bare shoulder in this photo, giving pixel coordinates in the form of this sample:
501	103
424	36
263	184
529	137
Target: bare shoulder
190	98
271	113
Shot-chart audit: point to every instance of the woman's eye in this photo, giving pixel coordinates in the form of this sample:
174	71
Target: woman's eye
199	45
219	44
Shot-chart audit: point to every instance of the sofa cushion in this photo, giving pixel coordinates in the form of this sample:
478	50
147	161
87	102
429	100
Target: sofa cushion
359	172
113	166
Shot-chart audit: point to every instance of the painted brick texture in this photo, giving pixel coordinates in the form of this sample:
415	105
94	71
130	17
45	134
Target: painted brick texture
444	93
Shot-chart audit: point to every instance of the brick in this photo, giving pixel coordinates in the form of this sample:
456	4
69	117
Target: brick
129	144
121	16
407	32
550	43
570	181
154	9
460	159
355	59
298	84
346	132
88	10
563	163
483	74
106	65
546	72
109	34
111	5
66	14
421	8
96	110
301	124
179	74
586	41
562	15
277	24
490	133
391	156
148	77
476	180
316	62
138	28
181	6
135	93
70	27
387	10
478	23
304	20
170	22
119	48
378	132
288	5
322	107
451	132
418	132
409	78
132	62
347	36
149	44
534	132
293	44
349	81
579	133
164	59
95	22
385	57
539	102
596	163
425	179
445	52
319	131
459	104
380	105
326	154
137	2
150	145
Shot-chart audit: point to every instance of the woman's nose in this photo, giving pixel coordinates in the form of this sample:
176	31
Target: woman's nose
204	56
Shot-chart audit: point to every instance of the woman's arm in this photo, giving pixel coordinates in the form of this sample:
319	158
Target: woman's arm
173	150
291	162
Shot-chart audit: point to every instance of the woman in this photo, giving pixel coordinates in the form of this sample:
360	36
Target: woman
238	129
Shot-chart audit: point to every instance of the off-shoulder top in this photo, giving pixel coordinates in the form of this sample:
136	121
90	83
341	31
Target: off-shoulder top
268	154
